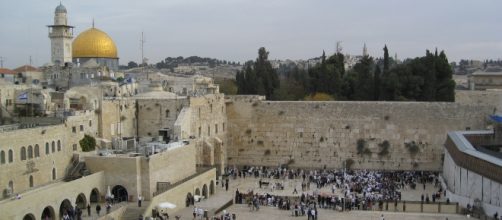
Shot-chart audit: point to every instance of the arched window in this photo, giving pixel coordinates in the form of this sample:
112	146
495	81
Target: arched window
53	146
11	156
37	151
47	150
2	157
53	173
31	181
167	113
59	145
30	152
23	153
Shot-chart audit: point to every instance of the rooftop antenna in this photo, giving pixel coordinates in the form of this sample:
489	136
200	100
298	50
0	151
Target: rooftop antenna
142	41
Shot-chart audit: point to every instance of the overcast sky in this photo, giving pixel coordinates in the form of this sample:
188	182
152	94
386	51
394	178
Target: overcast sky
235	29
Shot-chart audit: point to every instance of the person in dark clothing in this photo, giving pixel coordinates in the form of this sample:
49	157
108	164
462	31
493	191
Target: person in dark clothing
98	209
88	210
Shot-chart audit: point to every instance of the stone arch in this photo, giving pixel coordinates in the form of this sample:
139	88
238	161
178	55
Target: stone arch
81	201
204	191
53	146
29	217
189	200
94	196
37	150
30	152
23	153
197	192
64	207
31	181
211	187
2	157
120	193
11	156
48	213
59	145
53	173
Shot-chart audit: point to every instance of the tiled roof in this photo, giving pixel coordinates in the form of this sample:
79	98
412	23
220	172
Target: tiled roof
6	71
26	68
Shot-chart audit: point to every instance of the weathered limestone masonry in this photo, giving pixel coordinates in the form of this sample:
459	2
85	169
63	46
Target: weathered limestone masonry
318	134
208	128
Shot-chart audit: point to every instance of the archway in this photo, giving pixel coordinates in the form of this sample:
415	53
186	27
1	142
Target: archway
204	191
64	207
197	192
81	202
189	200
94	197
29	217
211	187
48	213
120	193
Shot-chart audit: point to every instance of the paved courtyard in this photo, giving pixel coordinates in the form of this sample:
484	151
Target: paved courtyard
251	183
266	213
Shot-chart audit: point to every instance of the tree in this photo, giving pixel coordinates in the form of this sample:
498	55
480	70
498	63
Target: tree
376	84
88	143
258	77
132	64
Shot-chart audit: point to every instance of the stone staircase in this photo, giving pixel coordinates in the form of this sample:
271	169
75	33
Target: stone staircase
132	211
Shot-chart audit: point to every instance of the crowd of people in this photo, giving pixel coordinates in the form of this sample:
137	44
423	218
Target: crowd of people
359	189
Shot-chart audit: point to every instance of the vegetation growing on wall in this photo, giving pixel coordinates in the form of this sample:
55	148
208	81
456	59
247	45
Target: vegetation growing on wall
384	148
361	145
413	148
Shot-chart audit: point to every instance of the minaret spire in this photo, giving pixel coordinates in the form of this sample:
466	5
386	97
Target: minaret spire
92	22
365	50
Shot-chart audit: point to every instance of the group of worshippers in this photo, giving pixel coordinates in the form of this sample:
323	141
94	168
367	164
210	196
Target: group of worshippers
358	189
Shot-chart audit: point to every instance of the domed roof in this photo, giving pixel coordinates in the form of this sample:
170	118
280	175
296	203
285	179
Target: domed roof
60	8
94	43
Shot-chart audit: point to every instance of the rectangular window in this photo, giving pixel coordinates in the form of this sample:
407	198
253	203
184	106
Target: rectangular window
81	127
216	128
208	130
223	125
74	147
90	123
74	129
200	129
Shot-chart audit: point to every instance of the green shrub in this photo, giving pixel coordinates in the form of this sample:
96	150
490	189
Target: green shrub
88	143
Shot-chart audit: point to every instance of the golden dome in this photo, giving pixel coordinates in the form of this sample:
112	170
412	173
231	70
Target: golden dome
94	43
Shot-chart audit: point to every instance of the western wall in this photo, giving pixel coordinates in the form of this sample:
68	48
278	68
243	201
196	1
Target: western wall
351	134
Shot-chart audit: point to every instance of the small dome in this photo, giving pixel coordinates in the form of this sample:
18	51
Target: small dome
94	43
60	8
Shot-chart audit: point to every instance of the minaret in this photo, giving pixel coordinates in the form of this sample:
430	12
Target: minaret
61	35
365	50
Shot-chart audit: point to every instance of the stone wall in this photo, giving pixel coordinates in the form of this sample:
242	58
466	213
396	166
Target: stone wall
117	118
156	114
209	129
318	134
52	196
139	175
178	194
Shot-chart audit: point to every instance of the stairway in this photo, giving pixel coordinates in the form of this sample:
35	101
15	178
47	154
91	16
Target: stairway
132	211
